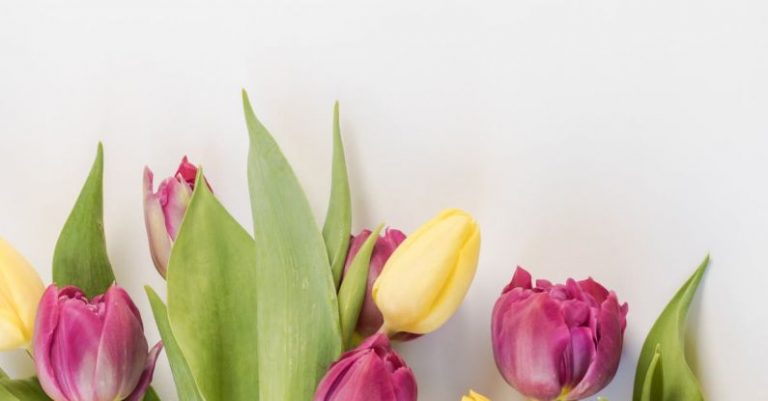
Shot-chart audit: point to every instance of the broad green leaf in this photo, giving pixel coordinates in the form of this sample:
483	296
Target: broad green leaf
678	382
3	375
212	294
22	390
186	388
80	257
338	219
353	287
298	315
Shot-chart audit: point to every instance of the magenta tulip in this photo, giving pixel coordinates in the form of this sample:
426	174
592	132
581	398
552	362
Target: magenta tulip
370	319
555	341
91	351
164	210
370	372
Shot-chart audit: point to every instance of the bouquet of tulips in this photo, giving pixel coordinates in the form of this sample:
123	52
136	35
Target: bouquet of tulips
289	311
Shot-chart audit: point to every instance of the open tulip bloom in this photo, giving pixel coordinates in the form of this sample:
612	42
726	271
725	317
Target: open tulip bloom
275	314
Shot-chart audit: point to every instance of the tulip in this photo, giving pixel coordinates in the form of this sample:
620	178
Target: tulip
370	372
428	275
20	291
91	351
164	210
473	396
370	318
555	341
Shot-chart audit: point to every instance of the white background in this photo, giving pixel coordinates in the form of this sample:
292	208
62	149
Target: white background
618	139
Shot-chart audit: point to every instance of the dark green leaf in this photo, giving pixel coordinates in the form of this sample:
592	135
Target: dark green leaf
80	257
151	395
678	382
338	219
352	292
22	390
298	315
186	388
212	295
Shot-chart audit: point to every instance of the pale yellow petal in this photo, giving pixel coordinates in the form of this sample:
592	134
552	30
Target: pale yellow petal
20	290
473	396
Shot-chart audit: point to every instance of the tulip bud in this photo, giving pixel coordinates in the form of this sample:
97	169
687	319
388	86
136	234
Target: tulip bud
557	341
164	210
371	372
91	351
473	396
427	276
370	318
20	291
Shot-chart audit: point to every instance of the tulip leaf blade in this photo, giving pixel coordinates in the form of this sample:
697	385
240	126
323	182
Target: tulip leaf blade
80	257
212	300
653	378
22	390
338	218
151	395
3	375
186	388
298	316
672	378
352	291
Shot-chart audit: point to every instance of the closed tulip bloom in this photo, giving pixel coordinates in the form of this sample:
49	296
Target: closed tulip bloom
164	210
428	275
370	318
473	396
20	292
91	350
557	341
370	372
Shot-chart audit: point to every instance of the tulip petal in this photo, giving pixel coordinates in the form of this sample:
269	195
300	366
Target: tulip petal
146	374
175	196
404	384
154	219
530	344
121	352
367	380
606	360
20	292
46	323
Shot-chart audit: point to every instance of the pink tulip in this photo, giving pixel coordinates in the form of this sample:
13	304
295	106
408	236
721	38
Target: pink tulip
370	372
91	351
164	210
370	319
556	341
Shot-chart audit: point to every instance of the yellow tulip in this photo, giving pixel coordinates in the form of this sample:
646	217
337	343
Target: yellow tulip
20	292
428	275
473	396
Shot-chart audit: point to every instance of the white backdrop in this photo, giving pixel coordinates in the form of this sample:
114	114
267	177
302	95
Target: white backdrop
618	139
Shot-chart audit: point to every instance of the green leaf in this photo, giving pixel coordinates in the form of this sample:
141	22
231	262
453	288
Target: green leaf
80	257
298	316
186	388
151	395
22	390
212	293
677	381
652	384
353	287
338	219
3	375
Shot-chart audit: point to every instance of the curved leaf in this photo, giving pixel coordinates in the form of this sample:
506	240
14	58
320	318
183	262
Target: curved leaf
186	388
678	382
80	257
298	315
338	219
212	300
22	390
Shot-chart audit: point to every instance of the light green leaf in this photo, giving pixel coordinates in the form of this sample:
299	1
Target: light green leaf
298	316
353	287
338	219
652	385
22	390
80	257
678	381
212	290
186	388
3	375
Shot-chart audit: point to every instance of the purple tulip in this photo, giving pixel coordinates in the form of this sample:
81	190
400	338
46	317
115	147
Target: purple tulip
91	351
370	372
556	341
164	210
370	319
